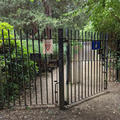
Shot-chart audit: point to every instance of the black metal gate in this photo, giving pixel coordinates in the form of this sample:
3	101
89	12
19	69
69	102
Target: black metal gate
76	70
83	69
28	76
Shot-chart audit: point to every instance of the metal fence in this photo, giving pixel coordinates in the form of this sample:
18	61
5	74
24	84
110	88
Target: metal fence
113	66
86	68
28	76
78	67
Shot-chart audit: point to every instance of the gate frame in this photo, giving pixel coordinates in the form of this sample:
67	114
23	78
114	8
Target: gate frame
61	69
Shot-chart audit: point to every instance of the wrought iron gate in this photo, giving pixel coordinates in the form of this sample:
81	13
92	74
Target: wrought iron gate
76	70
83	70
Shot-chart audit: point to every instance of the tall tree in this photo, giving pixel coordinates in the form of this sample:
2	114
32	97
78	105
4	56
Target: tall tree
28	14
25	14
69	13
104	15
48	12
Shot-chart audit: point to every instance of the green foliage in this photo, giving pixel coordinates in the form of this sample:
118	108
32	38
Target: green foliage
14	66
31	0
89	27
5	27
69	13
104	15
21	13
29	14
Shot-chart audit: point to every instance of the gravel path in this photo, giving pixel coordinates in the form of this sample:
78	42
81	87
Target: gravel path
105	107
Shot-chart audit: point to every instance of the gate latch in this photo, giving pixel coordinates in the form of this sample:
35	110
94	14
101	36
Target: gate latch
56	91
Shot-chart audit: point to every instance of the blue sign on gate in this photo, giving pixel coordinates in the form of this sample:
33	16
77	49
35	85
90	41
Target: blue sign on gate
95	45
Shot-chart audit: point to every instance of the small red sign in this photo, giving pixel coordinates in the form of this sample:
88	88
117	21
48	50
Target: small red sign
48	46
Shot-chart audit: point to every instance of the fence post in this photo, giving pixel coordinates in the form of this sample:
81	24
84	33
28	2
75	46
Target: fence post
118	54
68	67
106	44
61	69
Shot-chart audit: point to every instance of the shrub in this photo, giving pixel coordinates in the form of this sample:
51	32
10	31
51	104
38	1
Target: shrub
14	68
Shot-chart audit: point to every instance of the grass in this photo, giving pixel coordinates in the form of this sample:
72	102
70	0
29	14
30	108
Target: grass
35	46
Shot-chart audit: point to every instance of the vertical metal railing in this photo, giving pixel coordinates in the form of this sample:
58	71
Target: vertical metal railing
6	98
90	76
79	66
61	69
29	73
86	71
25	69
40	68
68	65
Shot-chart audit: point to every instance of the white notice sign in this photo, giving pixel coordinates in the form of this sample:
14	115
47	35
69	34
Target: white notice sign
48	46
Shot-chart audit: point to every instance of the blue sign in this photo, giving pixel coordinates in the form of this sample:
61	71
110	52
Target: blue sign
95	45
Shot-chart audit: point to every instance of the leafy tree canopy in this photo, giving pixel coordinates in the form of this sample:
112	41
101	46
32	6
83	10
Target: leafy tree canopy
104	14
27	14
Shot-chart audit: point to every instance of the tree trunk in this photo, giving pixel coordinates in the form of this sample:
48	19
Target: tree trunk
48	12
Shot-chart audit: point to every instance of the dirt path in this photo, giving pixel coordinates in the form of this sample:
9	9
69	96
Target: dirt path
105	107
